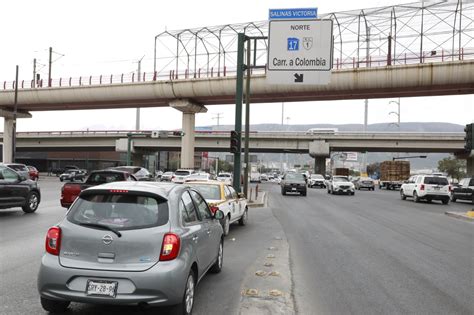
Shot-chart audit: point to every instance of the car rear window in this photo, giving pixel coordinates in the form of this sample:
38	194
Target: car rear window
119	211
18	167
130	170
294	176
436	181
182	173
224	175
102	178
209	192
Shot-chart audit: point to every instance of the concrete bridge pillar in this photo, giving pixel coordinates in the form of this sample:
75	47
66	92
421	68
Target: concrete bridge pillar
320	165
189	110
8	133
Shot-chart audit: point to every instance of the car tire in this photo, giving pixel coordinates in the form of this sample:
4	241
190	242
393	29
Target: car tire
60	179
217	267
429	200
283	192
244	218
445	201
32	202
186	305
303	193
415	197
329	191
353	193
226	225
53	306
453	199
402	195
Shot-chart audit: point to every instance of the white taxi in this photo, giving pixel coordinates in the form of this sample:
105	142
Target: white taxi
223	197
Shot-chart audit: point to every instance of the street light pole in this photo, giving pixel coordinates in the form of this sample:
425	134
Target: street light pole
137	122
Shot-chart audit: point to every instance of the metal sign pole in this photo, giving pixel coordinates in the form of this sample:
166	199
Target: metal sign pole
238	109
247	120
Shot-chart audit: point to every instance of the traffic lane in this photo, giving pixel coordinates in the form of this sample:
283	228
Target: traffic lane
22	245
374	253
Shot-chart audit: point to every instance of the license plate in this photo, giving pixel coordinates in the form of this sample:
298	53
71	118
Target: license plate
436	188
293	189
103	288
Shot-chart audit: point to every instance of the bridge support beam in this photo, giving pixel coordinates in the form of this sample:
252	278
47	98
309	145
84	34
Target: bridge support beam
8	127
189	110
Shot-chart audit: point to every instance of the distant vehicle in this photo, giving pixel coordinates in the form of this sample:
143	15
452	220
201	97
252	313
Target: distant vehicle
316	180
167	176
18	190
294	183
314	131
364	183
426	187
19	168
264	177
140	173
131	243
393	174
73	175
158	175
59	171
226	178
196	177
33	172
255	177
223	197
180	175
70	191
340	185
464	191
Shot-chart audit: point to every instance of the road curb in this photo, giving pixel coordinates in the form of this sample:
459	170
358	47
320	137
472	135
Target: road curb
259	204
459	215
267	286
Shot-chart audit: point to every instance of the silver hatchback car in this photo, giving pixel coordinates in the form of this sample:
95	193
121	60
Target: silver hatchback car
131	243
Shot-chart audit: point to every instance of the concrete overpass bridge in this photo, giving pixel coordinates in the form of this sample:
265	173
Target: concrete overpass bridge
396	51
259	142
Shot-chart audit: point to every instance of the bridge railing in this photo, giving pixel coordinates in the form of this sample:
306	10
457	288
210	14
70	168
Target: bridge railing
188	74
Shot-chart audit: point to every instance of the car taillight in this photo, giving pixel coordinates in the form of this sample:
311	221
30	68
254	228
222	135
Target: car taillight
53	240
450	188
170	247
214	209
422	187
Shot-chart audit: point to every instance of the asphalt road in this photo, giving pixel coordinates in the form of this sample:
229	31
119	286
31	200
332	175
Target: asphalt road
22	245
373	253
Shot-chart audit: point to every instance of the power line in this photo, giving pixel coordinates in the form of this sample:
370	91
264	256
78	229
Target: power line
218	116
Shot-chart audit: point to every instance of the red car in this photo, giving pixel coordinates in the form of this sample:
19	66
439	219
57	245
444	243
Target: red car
33	172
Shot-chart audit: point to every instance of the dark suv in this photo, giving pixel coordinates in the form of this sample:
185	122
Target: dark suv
18	191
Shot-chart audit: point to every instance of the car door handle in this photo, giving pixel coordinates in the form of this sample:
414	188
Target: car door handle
195	238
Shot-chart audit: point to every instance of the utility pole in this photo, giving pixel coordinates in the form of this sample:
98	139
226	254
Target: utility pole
218	116
137	123
282	115
49	67
34	72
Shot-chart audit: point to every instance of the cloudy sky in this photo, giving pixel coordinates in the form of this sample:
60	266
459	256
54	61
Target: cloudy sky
91	37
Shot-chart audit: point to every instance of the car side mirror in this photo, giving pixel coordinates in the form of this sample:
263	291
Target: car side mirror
219	215
22	178
241	195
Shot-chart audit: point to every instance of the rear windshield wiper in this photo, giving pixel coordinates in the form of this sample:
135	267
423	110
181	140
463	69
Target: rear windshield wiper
101	226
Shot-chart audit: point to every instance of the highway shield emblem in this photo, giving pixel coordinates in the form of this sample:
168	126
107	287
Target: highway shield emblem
307	43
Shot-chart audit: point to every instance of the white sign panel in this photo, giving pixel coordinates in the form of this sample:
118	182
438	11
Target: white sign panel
351	156
300	52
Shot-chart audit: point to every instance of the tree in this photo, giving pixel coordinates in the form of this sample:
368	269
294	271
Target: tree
453	167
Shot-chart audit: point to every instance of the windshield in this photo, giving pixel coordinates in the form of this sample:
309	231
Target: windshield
209	192
436	180
340	179
121	212
317	176
294	176
131	170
